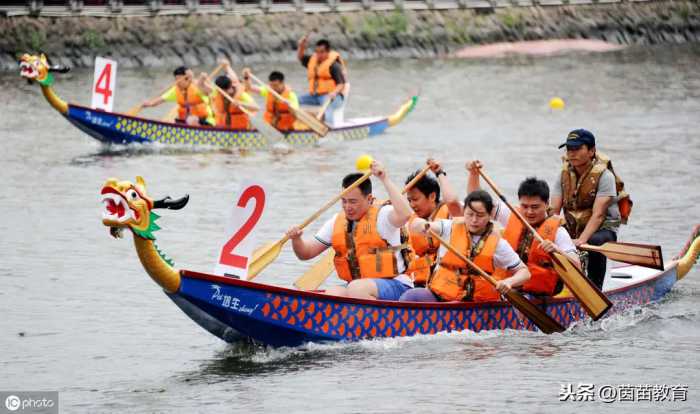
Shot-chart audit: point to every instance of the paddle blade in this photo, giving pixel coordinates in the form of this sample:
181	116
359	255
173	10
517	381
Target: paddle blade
636	254
544	322
262	257
591	298
314	277
317	126
272	134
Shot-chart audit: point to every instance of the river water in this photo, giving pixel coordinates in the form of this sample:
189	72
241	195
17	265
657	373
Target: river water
80	316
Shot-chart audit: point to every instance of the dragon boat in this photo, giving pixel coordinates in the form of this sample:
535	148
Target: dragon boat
118	128
239	310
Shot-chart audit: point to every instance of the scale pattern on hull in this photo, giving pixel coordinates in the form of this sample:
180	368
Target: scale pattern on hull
316	317
115	128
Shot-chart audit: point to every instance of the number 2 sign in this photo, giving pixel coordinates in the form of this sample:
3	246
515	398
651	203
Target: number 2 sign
247	211
103	84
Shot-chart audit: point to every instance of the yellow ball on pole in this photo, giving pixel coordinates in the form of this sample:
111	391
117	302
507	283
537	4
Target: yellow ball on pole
556	103
363	162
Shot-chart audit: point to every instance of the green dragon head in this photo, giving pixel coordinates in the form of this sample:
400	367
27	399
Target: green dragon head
127	205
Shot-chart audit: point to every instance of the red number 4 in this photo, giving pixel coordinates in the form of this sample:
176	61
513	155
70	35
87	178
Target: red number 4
106	79
227	256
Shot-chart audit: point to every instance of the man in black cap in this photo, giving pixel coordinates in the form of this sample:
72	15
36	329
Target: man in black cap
587	189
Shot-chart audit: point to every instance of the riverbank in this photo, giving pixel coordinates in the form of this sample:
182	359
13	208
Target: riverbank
200	39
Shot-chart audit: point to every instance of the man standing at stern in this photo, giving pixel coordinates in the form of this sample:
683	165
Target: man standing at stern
592	197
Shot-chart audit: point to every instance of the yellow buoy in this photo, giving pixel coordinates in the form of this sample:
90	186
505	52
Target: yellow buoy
556	103
363	162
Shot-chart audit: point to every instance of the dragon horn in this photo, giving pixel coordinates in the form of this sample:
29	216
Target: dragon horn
170	204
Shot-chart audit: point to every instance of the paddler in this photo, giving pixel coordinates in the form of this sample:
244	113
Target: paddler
277	112
326	72
227	114
533	195
192	101
592	197
424	199
371	252
473	233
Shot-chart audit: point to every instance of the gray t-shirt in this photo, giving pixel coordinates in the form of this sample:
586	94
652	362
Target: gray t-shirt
606	188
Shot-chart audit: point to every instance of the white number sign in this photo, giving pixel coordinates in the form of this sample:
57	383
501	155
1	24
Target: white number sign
240	231
104	83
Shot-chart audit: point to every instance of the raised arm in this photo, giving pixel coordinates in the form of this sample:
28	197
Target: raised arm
249	86
473	181
449	197
402	210
301	47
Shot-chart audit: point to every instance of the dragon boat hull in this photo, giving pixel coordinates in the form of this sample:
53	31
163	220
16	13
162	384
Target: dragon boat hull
115	128
237	310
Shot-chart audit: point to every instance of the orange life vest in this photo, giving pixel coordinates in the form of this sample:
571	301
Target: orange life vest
363	253
277	113
453	279
319	74
229	115
543	278
190	102
425	248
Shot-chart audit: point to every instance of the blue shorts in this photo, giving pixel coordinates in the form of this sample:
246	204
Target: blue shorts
389	289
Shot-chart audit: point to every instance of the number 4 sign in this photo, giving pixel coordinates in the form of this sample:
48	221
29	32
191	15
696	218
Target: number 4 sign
103	84
240	231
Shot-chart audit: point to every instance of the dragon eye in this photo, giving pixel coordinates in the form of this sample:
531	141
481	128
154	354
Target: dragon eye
132	194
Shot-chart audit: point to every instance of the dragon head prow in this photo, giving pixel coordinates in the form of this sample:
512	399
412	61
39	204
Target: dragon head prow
127	205
38	68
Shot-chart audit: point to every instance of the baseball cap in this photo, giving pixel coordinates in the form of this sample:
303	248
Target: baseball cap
579	137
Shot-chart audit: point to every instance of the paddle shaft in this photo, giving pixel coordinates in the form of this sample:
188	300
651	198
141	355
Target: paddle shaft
415	179
512	209
321	111
330	203
540	318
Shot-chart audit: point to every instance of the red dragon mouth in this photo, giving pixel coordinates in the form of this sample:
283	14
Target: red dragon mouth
116	207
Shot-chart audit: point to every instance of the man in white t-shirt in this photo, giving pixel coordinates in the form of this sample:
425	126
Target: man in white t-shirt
370	251
533	195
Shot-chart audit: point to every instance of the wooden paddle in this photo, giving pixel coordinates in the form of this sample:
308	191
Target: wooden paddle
319	272
263	127
268	253
317	126
591	298
646	255
539	317
323	108
314	277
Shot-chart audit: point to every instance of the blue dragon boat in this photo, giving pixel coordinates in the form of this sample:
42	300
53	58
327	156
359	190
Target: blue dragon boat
239	310
118	128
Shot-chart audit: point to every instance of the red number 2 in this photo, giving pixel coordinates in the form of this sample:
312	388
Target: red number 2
106	78
227	257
